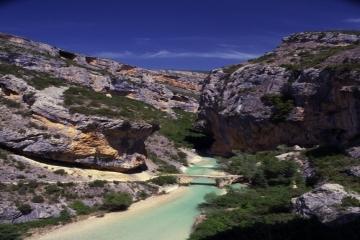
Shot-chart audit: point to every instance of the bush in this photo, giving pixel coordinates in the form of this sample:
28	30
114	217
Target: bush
282	106
61	172
143	195
80	207
330	165
9	232
52	189
167	168
97	183
24	209
37	199
164	180
350	202
259	179
117	201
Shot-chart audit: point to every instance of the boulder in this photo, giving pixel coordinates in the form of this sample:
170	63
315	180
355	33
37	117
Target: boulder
326	204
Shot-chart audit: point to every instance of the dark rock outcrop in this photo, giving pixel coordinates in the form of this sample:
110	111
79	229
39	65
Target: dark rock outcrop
305	93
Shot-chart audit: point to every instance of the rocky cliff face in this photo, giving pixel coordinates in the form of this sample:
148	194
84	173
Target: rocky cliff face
305	92
61	106
162	89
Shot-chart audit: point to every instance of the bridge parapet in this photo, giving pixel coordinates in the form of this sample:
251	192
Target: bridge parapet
220	180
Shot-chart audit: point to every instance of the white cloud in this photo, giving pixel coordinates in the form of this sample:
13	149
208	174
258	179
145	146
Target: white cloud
231	54
353	20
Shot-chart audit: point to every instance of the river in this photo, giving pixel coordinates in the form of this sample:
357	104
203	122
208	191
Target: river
165	217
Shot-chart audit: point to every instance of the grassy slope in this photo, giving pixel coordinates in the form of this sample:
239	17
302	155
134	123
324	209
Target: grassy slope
88	102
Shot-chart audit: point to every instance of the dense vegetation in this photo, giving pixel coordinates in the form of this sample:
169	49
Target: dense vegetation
263	211
117	201
267	201
263	169
80	207
164	180
330	165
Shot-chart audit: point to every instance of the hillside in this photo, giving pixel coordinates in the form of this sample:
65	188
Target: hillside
67	107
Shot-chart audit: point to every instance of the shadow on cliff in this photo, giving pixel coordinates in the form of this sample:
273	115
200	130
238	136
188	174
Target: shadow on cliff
298	229
200	141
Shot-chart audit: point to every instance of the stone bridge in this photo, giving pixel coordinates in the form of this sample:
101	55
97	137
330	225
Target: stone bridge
220	180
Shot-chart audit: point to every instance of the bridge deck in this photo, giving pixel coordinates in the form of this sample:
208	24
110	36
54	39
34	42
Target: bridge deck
204	176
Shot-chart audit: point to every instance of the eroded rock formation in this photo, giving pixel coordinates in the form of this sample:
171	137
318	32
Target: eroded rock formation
305	92
39	121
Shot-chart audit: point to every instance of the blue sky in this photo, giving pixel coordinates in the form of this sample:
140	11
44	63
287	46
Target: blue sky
173	34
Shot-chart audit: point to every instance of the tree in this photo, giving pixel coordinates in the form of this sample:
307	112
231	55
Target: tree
117	201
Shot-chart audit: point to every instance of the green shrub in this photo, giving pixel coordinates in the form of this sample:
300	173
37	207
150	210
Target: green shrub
97	183
330	165
61	172
231	69
259	179
53	189
143	195
80	207
117	201
164	180
24	209
282	106
350	202
10	232
42	80
167	168
182	157
266	58
37	199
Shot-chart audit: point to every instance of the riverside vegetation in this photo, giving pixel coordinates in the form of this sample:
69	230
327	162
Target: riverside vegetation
263	211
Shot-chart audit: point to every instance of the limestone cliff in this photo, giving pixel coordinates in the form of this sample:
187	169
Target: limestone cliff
65	107
305	92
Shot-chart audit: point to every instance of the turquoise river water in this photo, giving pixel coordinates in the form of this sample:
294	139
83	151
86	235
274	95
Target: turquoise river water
169	218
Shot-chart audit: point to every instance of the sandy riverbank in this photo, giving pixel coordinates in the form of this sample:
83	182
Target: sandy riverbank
137	208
